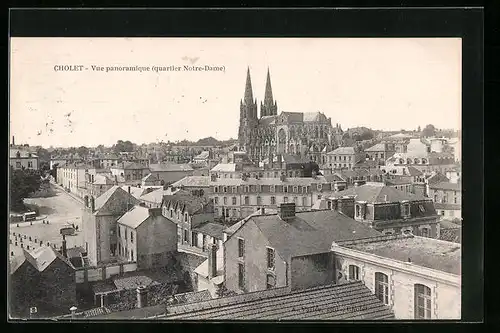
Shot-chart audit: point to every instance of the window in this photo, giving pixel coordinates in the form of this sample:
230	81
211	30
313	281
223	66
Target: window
234	200
304	189
241	248
131	237
216	200
455	200
18	165
225	189
119	232
435	197
304	201
270	281
185	217
421	208
225	201
259	201
247	200
272	188
382	287
285	188
285	199
241	275
273	200
216	189
125	232
422	302
353	272
358	211
30	164
186	236
406	210
295	189
270	258
132	255
425	232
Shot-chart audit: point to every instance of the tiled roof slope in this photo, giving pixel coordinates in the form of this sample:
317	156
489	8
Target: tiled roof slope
349	301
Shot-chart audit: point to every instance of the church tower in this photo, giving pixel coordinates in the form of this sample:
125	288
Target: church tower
269	107
248	119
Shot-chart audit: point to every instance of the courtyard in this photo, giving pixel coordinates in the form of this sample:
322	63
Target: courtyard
60	210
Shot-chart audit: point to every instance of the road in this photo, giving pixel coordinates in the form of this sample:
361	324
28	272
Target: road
59	210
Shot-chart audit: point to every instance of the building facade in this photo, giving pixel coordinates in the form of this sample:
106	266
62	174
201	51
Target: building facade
447	198
295	133
20	159
416	284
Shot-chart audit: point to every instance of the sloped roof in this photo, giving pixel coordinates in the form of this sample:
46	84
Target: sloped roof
114	193
395	180
155	196
134	217
293	117
312	232
446	186
202	269
103	179
136	192
40	258
267	120
169	167
211	229
377	192
203	155
130	166
187	202
314	117
447	206
412	171
376	148
22	153
193	181
348	301
437	178
343	150
224	167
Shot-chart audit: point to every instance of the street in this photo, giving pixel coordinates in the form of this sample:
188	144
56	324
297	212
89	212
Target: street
59	210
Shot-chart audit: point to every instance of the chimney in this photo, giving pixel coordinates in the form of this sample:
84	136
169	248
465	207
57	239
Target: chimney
142	297
92	204
154	212
129	190
212	260
286	211
64	247
116	180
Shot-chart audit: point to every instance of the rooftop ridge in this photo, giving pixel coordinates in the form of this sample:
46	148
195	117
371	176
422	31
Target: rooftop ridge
373	239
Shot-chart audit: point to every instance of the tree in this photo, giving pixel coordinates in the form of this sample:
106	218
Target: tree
82	151
123	146
429	131
418	129
22	184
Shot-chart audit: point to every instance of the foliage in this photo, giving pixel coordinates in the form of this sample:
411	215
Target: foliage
82	151
429	131
123	146
22	184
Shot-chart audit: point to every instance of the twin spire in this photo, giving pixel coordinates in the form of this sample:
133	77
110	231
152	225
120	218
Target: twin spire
269	107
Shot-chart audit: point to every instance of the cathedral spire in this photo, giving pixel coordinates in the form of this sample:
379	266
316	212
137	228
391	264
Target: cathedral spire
269	107
268	97
248	89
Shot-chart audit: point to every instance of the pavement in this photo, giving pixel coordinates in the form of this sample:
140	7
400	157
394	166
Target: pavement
59	210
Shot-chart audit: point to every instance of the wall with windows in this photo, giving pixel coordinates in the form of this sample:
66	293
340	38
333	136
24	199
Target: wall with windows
251	260
24	163
400	289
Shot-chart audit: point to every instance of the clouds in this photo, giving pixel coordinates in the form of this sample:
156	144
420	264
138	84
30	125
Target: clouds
385	84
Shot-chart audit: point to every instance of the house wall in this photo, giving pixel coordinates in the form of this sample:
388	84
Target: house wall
89	227
53	290
24	162
254	260
445	296
311	271
156	240
445	196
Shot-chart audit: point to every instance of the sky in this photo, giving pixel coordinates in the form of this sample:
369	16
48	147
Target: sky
380	83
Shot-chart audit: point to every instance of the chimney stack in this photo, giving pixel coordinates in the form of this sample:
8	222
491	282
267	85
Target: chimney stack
129	190
64	247
286	211
212	260
142	297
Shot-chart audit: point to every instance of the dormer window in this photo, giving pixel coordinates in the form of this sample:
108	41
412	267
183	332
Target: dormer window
405	210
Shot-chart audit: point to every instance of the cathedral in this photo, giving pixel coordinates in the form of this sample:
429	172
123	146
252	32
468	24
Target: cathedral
306	134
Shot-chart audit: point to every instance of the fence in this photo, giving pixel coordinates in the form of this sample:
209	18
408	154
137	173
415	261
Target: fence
103	272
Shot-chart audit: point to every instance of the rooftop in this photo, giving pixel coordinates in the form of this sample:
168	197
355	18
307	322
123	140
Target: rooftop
193	181
312	232
343	150
212	229
168	167
378	147
22	153
224	167
134	217
446	186
349	301
427	252
40	258
378	192
447	206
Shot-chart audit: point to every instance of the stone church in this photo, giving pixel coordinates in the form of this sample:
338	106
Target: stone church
307	134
